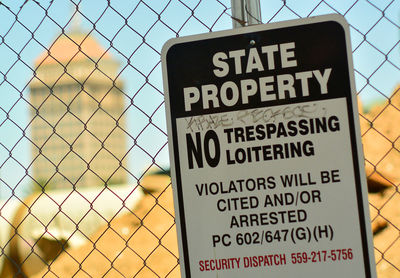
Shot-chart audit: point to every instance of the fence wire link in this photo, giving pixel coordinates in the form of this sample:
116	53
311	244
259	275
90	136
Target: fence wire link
83	135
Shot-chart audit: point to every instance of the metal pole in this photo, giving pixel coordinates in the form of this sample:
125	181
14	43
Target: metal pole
245	12
238	14
253	12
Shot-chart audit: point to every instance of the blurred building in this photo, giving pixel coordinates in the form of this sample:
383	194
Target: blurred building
77	111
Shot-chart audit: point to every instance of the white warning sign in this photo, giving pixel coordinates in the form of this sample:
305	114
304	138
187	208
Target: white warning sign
266	159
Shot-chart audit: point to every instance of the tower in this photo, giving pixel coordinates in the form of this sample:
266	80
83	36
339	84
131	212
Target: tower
77	111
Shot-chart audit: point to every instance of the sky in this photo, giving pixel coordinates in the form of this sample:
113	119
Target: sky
134	33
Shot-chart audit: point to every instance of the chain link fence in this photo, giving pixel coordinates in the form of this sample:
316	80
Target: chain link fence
84	179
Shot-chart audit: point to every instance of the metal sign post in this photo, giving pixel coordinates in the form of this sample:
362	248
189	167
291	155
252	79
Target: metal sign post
245	13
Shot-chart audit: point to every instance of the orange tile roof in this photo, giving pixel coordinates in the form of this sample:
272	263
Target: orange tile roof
66	49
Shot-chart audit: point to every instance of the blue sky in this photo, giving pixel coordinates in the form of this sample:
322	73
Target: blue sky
27	27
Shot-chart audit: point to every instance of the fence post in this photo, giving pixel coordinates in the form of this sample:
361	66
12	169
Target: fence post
245	12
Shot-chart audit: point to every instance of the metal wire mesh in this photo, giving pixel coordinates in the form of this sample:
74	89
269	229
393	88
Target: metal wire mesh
83	146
